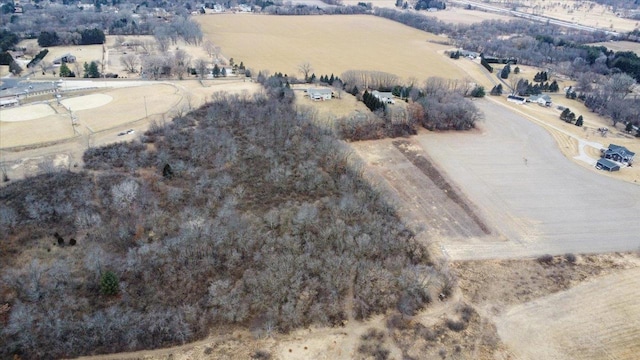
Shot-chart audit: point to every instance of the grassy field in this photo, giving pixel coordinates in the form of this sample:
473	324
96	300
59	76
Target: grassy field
331	44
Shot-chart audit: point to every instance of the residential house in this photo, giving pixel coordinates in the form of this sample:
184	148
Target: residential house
385	97
320	94
543	100
66	58
619	154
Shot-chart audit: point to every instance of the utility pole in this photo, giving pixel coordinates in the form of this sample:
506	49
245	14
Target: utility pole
146	113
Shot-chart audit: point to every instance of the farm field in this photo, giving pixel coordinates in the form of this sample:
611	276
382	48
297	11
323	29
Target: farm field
331	44
599	319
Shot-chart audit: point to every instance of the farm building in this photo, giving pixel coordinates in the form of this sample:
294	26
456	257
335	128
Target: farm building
544	100
618	153
516	99
319	94
385	97
66	58
608	165
9	101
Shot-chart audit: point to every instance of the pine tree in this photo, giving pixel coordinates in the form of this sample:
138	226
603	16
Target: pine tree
109	283
580	121
565	114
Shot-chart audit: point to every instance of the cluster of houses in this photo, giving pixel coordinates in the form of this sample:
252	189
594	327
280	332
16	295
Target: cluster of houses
614	157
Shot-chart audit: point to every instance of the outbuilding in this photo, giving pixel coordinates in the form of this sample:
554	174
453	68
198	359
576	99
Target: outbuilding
608	165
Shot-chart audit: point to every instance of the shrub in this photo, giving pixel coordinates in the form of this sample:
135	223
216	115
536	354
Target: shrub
571	258
545	259
109	283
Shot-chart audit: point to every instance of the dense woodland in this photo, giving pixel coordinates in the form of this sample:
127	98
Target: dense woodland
242	212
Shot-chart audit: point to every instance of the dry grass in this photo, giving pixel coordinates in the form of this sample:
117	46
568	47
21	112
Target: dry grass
620	46
331	44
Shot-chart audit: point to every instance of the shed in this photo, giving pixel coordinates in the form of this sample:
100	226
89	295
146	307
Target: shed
608	165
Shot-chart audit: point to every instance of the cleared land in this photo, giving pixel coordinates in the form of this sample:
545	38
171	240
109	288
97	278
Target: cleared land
599	319
281	43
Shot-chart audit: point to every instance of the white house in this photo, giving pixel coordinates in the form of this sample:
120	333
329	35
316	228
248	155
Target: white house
544	100
385	97
319	94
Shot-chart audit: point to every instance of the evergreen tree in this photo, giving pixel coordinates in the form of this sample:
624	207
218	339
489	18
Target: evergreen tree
553	87
580	121
216	70
628	127
565	114
65	71
109	283
223	72
516	70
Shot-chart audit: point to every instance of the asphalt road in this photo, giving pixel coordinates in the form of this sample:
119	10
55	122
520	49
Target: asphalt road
544	204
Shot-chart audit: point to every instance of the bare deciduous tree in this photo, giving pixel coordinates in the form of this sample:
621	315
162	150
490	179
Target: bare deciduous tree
130	62
305	69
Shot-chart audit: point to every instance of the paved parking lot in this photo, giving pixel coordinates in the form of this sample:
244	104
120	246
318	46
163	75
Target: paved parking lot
538	200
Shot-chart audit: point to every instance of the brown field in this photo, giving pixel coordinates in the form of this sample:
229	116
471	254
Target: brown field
599	319
281	43
581	12
620	46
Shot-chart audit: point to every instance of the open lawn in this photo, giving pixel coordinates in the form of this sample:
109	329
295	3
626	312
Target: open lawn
331	44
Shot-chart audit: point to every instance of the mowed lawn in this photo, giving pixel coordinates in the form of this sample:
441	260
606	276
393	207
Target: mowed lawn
331	44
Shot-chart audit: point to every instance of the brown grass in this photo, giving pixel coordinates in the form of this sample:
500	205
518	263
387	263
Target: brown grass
331	44
620	46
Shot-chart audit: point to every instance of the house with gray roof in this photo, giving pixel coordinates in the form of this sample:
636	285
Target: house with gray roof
319	94
385	97
619	154
544	100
